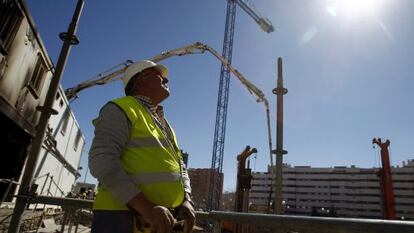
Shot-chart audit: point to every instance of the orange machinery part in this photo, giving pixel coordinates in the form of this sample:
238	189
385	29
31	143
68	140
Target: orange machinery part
386	179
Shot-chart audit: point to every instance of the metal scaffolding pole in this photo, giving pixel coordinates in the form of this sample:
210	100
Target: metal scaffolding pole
25	192
279	91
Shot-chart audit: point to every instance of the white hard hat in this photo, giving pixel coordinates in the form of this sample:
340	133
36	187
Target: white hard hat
139	67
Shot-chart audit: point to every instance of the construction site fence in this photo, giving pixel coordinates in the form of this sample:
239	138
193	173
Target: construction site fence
11	182
276	223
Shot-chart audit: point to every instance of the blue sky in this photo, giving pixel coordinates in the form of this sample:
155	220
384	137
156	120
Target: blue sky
348	70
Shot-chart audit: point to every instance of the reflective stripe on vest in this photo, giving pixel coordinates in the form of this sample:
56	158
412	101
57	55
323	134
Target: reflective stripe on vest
149	178
149	158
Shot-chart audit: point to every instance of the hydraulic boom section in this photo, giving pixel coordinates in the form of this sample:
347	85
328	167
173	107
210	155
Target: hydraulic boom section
386	179
100	79
116	73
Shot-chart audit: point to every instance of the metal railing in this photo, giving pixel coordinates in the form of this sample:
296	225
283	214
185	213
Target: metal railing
72	209
302	224
9	183
279	223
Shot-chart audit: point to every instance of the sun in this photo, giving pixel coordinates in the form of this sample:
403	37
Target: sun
359	7
354	9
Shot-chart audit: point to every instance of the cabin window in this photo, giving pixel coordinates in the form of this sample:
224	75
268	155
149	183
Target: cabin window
65	123
38	77
77	140
59	99
10	18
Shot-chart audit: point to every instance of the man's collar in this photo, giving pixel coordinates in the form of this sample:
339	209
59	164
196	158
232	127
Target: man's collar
145	99
147	102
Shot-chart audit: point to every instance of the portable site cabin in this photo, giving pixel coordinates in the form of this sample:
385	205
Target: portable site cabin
25	75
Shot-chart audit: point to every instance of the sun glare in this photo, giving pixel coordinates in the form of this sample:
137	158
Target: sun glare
354	8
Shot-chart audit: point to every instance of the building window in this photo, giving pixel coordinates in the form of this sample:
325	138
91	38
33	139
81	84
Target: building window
38	77
10	18
77	140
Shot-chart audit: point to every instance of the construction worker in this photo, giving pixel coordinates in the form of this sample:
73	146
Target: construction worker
143	183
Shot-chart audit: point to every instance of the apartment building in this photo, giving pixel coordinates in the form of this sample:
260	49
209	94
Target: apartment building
200	185
339	191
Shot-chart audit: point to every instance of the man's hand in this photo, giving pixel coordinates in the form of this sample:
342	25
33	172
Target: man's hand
186	212
159	217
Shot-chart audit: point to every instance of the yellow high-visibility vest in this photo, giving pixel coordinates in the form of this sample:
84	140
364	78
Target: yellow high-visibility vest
152	161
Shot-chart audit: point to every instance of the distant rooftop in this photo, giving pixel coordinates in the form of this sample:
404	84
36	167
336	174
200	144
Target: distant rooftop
405	164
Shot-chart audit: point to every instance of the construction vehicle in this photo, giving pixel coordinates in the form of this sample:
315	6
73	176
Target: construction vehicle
243	185
244	177
223	95
386	180
117	72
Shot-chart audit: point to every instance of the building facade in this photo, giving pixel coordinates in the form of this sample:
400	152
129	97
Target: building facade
200	185
340	191
25	75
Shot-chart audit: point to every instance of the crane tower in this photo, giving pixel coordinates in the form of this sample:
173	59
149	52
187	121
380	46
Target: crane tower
223	95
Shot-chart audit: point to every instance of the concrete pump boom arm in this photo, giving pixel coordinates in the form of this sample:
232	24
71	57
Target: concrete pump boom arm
199	47
116	73
194	48
250	86
100	79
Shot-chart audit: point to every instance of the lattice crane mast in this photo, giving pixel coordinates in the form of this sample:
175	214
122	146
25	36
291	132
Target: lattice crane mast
223	96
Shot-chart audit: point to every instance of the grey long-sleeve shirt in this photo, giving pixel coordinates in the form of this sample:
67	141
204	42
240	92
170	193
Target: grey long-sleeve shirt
112	129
